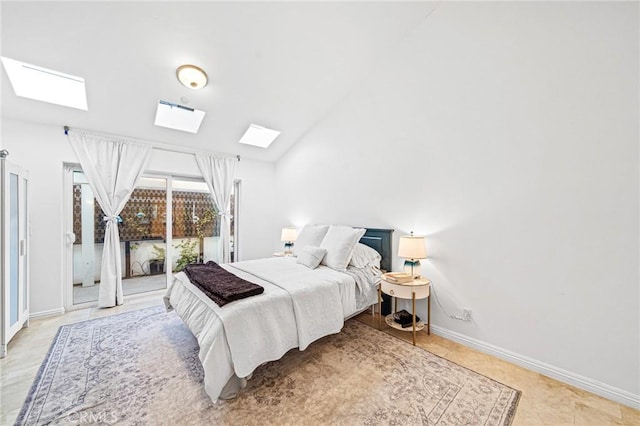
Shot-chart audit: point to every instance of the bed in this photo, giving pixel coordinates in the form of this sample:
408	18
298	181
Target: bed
299	305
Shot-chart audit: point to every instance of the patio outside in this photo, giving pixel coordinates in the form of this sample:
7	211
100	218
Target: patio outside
142	225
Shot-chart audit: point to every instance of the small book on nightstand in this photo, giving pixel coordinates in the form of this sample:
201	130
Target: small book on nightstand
398	277
404	318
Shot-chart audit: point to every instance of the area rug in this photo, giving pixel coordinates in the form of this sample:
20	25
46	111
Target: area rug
142	367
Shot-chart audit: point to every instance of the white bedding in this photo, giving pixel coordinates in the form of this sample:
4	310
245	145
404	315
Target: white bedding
299	305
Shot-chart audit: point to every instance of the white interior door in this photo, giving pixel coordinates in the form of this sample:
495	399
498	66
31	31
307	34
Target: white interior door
15	279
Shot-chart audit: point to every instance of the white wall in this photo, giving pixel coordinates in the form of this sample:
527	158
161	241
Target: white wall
42	149
507	133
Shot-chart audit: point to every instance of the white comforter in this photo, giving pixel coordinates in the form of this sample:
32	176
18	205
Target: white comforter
299	305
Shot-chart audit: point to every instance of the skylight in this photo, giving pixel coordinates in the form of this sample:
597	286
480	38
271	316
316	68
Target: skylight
178	117
259	136
42	84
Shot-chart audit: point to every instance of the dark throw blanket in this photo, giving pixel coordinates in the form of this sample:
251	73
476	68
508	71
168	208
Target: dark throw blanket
220	285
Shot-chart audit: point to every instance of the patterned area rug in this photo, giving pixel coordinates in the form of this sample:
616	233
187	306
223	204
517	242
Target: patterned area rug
142	367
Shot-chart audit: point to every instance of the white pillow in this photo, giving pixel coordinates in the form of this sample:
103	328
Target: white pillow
310	256
363	256
311	235
339	243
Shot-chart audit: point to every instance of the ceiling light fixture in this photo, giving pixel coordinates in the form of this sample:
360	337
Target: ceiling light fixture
191	76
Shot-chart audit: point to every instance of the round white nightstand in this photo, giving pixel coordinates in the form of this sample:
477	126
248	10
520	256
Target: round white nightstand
416	289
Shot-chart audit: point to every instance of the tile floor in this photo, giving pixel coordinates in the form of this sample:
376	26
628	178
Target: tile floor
544	401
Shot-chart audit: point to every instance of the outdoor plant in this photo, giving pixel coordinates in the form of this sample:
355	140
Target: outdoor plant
159	252
201	224
156	264
188	254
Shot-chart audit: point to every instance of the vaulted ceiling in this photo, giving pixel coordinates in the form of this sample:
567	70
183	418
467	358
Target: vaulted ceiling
280	65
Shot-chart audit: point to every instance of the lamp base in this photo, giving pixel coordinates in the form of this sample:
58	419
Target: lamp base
288	248
412	266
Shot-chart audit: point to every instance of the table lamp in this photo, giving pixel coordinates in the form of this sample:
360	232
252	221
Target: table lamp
288	235
412	248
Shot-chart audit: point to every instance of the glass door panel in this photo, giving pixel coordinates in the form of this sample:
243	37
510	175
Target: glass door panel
24	215
14	309
212	241
196	223
193	226
14	255
141	226
143	232
87	248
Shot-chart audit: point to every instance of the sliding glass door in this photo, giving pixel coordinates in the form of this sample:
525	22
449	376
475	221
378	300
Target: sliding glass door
142	227
151	249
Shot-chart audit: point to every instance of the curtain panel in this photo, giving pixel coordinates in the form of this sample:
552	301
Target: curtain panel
113	166
219	173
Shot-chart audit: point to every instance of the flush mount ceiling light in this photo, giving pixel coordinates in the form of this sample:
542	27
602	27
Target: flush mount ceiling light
191	76
259	136
42	84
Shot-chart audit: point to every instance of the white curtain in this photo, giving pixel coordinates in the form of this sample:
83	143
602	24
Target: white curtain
112	167
220	173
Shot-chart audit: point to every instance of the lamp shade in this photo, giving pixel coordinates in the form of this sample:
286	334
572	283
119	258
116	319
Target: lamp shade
412	247
289	234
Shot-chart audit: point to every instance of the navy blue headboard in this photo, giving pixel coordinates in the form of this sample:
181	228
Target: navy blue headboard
380	240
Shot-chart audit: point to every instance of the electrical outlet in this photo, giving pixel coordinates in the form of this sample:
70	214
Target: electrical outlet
466	314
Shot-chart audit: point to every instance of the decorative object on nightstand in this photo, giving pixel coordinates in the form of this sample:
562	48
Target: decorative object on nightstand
288	236
413	290
412	248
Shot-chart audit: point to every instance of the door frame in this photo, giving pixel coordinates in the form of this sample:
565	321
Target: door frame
68	237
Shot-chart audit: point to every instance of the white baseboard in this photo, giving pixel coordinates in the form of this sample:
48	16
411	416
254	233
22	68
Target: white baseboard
606	391
49	313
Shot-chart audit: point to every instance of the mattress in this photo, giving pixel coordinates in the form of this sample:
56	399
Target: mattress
299	305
